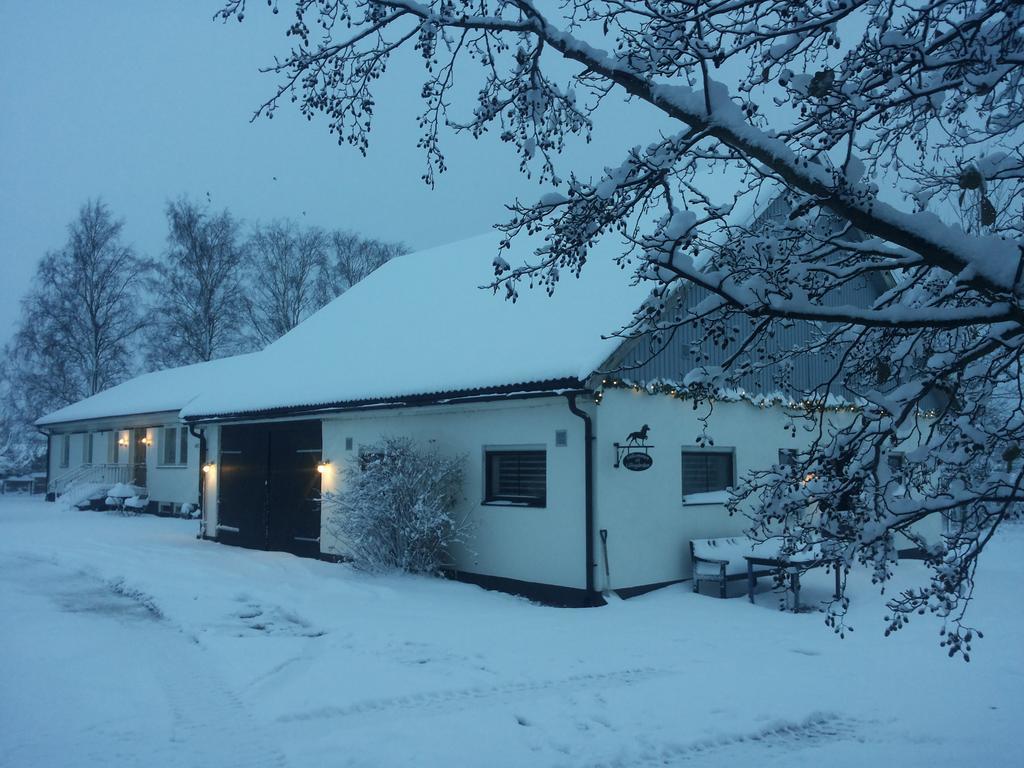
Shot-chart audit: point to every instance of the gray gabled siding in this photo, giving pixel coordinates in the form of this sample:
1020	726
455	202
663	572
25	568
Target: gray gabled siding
669	358
645	360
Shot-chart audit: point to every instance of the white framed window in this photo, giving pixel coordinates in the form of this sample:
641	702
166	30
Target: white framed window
173	446
65	450
707	473
518	477
112	446
897	461
87	447
788	457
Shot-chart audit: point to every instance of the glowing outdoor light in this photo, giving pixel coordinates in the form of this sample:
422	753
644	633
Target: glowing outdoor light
208	467
123	441
323	467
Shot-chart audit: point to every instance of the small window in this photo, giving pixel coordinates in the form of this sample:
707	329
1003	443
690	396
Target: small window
517	477
706	471
169	445
561	438
173	446
787	457
112	447
87	441
65	450
897	461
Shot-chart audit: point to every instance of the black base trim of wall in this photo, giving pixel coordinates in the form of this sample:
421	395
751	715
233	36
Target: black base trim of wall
547	594
330	557
643	589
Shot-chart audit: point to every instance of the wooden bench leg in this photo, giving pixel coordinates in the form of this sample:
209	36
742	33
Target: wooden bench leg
721	589
751	581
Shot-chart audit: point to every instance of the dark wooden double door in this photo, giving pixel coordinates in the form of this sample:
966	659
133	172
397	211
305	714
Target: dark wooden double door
269	486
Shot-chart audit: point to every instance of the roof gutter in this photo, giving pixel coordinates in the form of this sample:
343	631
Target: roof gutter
593	599
556	389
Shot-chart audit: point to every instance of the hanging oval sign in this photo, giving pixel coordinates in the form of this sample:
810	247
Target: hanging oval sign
637	462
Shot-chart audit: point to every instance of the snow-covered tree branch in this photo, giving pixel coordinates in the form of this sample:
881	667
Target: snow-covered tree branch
818	146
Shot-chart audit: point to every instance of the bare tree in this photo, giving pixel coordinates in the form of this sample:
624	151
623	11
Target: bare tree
292	272
198	290
355	257
839	110
288	275
80	323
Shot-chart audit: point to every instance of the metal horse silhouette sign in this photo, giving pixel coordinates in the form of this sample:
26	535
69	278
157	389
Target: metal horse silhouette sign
634	454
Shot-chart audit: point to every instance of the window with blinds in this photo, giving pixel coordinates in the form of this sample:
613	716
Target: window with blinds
706	471
517	477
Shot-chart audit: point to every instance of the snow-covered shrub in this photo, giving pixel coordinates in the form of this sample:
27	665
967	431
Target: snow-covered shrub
396	508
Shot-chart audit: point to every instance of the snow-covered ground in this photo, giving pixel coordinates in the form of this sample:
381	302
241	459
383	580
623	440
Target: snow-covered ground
125	641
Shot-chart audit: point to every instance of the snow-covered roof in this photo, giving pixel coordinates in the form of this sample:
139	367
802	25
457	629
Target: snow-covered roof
421	325
166	390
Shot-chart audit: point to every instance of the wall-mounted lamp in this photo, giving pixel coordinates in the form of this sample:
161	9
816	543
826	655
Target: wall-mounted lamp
147	440
323	467
208	467
123	441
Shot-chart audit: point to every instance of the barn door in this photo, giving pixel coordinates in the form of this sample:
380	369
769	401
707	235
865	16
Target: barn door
268	486
293	490
242	486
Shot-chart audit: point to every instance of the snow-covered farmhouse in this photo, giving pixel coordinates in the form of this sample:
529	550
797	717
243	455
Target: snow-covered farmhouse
131	435
575	483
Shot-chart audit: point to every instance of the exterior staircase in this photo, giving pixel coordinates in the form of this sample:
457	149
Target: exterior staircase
105	474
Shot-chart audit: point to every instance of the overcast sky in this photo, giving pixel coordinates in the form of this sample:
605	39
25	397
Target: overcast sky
139	102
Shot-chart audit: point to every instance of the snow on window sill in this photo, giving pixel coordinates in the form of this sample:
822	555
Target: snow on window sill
707	499
504	503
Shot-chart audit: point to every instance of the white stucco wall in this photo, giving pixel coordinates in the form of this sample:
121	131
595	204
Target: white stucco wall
209	479
544	545
649	526
177	483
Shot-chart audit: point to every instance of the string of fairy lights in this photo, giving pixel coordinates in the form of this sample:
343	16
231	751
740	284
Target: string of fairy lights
678	391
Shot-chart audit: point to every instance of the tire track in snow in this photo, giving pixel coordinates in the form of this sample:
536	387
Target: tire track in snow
209	724
428	699
818	729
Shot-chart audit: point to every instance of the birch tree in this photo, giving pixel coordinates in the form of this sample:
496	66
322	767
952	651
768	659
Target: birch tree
80	326
199	294
877	124
353	257
288	277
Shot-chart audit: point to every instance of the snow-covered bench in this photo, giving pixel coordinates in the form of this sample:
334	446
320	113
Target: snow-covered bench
722	560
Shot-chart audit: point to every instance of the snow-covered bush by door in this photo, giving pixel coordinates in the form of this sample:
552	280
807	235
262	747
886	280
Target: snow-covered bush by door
396	507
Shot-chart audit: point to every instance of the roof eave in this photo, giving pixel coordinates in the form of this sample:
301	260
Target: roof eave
528	390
